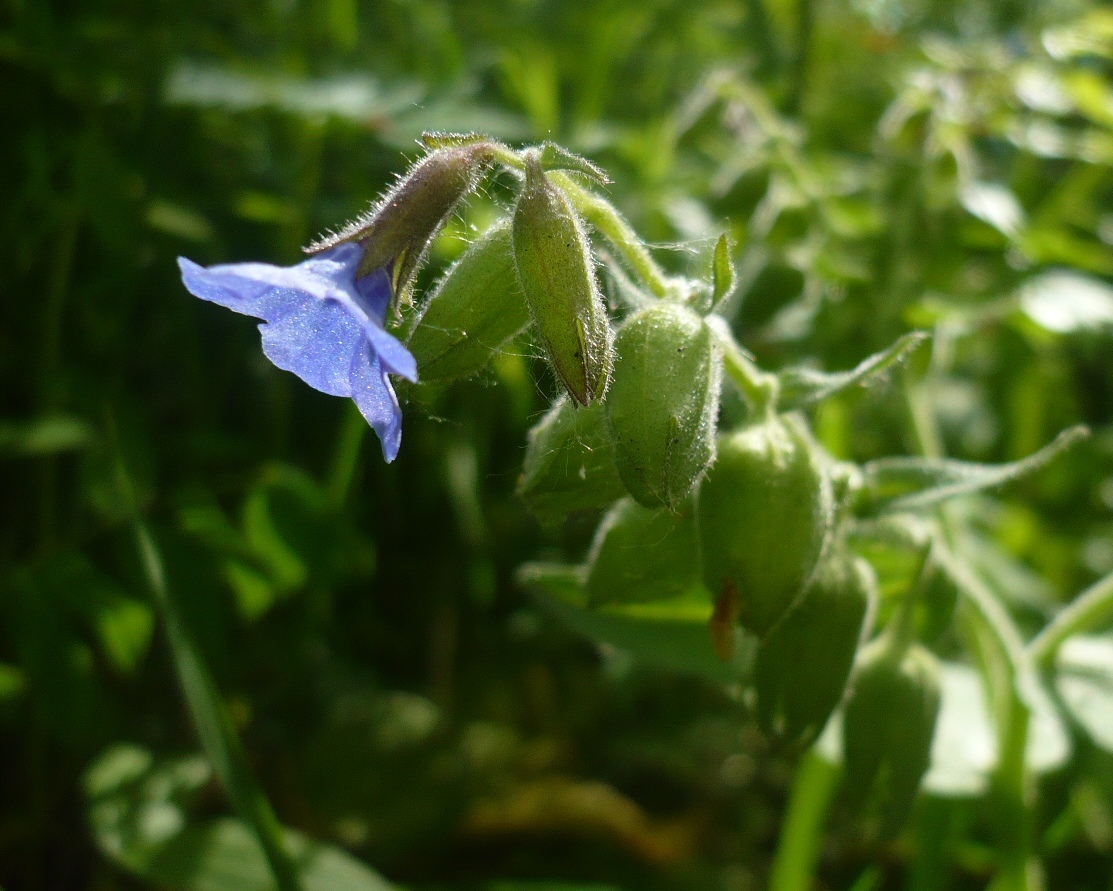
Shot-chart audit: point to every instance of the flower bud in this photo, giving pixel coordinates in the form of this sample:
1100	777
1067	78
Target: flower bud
803	665
396	233
935	607
569	463
475	309
663	403
641	556
556	272
888	727
765	515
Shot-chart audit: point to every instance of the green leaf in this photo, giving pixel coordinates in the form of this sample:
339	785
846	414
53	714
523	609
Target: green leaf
804	386
1084	679
12	682
894	485
671	634
964	750
138	812
1065	302
44	436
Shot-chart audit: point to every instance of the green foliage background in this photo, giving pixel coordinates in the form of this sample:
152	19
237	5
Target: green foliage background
880	165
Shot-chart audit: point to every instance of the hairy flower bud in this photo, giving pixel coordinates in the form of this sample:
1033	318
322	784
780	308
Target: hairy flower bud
936	602
888	727
475	309
663	403
556	272
765	515
396	233
641	555
802	667
569	463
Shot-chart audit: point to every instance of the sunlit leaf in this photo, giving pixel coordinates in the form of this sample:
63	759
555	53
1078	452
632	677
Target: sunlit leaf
1063	301
45	436
1084	680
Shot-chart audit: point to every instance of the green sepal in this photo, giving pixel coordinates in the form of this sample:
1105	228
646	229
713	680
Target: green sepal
641	555
664	402
936	600
888	727
557	275
765	515
475	309
804	664
569	463
556	157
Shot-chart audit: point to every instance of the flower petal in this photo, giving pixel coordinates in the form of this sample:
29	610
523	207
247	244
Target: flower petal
316	340
375	398
373	297
258	289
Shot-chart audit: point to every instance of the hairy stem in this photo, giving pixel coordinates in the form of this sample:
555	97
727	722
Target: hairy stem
601	215
759	388
1089	610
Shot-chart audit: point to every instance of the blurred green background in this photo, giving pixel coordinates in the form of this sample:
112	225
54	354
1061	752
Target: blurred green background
881	166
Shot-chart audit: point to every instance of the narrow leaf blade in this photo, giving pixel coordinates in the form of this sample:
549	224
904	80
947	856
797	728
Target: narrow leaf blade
898	485
801	387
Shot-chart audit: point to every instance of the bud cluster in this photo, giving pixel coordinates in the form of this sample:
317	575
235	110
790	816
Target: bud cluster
745	528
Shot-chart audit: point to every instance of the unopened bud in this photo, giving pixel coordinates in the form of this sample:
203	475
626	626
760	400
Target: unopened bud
396	233
569	463
473	311
557	275
888	727
663	403
641	556
803	665
765	516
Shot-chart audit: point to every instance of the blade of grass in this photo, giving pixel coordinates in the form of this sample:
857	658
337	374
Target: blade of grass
207	709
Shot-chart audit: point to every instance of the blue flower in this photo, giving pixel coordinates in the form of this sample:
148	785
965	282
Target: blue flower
322	323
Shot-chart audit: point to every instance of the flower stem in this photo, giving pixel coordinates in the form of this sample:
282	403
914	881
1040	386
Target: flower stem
759	388
1087	611
601	216
345	459
802	830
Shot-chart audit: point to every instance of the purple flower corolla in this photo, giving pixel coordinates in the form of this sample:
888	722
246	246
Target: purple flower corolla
322	323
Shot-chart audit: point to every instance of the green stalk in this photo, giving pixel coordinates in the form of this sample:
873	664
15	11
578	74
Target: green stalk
759	388
802	830
1089	610
1012	801
1006	661
345	460
601	215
